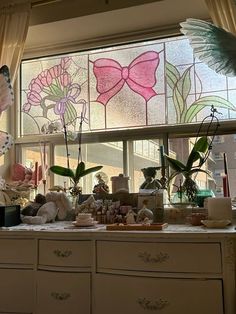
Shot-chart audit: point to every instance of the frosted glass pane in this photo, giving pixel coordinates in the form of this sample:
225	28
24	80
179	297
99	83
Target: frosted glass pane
178	51
210	80
156	110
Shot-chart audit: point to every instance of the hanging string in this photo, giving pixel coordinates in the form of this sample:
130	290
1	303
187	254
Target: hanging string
82	119
66	141
213	117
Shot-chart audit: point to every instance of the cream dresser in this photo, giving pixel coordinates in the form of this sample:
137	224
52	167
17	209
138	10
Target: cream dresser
57	269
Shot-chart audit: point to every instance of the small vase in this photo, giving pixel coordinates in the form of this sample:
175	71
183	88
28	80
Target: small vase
74	195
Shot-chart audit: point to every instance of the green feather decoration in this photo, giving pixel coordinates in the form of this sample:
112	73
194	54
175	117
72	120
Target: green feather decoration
212	45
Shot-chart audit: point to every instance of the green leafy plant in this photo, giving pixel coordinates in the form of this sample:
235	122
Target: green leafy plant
74	176
196	159
181	86
80	171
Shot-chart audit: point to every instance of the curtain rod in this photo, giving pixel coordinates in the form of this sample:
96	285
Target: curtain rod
43	2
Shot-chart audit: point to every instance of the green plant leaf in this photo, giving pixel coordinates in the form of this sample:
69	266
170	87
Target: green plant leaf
79	170
175	164
178	103
197	151
207	101
70	114
184	84
90	170
172	74
201	144
56	90
62	171
193	157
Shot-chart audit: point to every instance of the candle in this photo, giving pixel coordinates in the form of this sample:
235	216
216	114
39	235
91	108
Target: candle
36	178
43	157
225	186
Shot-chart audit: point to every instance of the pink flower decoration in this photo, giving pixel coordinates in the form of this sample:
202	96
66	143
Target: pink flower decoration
55	71
35	86
45	78
65	79
26	107
34	98
65	62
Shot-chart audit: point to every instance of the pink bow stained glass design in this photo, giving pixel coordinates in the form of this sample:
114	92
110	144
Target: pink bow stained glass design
139	75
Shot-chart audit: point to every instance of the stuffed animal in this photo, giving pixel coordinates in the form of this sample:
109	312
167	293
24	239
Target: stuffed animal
56	207
62	202
46	213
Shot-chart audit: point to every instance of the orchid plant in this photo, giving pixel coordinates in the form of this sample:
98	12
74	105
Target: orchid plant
197	157
80	171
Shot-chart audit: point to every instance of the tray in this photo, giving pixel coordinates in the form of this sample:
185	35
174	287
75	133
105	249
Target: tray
152	227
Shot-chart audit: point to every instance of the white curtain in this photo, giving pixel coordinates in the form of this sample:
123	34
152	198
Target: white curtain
14	23
223	13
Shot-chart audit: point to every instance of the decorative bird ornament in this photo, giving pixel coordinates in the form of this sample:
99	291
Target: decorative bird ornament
213	45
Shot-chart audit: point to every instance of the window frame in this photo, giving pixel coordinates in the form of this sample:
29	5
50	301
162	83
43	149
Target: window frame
125	135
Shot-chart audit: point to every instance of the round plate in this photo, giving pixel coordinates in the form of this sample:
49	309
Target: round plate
215	223
77	224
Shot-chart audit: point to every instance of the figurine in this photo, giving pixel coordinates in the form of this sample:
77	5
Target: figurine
150	182
130	217
101	186
145	214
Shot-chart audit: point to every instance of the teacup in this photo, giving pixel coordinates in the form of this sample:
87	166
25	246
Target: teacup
84	217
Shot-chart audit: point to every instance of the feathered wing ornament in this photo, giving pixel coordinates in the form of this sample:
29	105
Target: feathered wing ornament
6	100
6	142
212	45
6	90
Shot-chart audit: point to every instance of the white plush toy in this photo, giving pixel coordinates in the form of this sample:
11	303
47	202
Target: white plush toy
46	213
57	206
62	202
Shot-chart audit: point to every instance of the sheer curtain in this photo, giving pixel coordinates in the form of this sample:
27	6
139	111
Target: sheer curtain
223	13
14	23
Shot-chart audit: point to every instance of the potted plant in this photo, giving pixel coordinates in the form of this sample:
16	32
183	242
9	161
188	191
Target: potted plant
74	176
195	161
80	171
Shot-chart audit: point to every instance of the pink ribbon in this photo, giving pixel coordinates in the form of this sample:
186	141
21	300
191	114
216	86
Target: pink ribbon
139	76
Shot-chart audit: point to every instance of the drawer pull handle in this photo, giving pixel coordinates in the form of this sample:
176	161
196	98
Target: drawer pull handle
60	296
159	258
152	305
59	253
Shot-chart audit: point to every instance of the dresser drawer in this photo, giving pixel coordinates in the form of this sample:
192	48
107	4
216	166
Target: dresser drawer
121	294
65	253
17	291
13	251
160	257
63	293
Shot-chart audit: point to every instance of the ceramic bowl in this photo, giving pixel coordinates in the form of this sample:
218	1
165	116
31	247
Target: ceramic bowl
216	223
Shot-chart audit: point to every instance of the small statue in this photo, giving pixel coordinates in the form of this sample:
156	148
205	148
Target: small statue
101	187
130	217
145	214
150	182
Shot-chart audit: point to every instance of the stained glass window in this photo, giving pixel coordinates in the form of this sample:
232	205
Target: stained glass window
152	83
